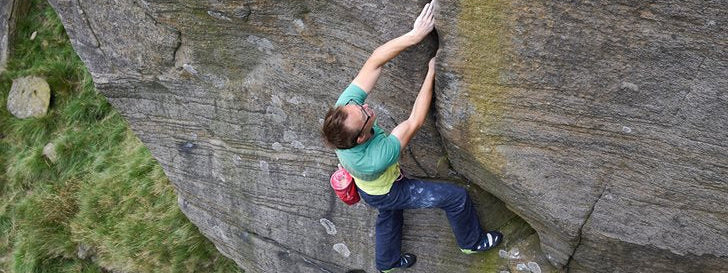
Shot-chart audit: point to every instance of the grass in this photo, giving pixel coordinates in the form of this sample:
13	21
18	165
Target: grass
105	193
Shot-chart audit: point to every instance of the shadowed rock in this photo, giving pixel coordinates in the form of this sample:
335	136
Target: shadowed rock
602	124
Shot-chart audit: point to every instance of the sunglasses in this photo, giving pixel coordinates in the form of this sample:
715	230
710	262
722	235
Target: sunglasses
352	101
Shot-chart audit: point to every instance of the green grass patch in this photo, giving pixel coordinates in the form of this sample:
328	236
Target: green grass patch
105	204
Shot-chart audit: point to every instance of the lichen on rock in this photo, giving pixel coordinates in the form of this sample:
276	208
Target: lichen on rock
601	124
29	97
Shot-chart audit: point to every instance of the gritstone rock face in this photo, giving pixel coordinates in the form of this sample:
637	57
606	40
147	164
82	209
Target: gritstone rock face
602	124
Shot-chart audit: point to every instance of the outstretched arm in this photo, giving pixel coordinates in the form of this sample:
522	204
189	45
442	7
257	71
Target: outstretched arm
405	130
369	73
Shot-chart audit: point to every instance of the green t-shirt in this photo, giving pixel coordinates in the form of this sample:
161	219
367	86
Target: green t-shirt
373	164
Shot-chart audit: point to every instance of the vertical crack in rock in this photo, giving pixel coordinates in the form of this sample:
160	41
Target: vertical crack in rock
329	214
414	158
581	228
177	47
149	12
84	16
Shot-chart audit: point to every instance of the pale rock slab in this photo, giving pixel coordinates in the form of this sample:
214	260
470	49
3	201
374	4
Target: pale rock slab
29	97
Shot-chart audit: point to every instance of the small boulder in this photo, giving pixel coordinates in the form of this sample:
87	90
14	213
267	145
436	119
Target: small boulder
29	97
85	251
49	151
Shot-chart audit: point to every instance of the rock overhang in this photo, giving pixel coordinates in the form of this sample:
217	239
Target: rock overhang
531	106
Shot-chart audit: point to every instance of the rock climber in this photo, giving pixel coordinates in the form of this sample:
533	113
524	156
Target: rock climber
371	156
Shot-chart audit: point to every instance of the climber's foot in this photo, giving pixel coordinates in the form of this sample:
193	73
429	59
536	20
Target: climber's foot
487	241
407	260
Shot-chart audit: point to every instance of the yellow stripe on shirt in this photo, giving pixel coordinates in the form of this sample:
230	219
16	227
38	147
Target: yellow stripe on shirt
381	184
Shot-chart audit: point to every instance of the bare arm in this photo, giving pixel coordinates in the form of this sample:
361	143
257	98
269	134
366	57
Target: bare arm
369	73
405	130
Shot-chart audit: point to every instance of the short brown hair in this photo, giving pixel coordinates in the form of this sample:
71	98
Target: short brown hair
335	133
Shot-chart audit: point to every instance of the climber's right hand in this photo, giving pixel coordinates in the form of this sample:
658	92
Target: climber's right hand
425	22
431	63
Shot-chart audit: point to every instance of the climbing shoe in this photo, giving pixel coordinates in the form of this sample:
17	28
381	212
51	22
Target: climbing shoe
487	241
405	261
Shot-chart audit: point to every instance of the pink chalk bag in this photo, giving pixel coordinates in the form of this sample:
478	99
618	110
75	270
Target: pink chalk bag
344	186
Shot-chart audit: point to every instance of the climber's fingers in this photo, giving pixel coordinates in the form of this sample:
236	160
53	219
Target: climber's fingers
433	60
423	13
424	22
429	13
428	19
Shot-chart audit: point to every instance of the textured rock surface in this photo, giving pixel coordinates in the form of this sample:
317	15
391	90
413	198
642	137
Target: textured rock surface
5	23
10	11
29	97
603	125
